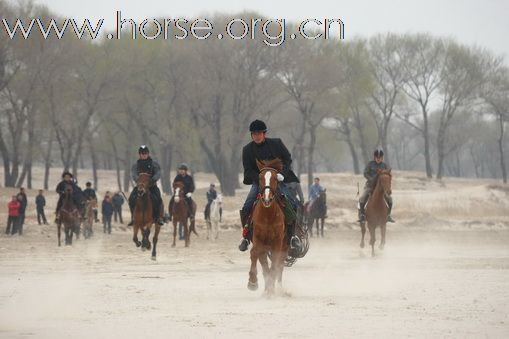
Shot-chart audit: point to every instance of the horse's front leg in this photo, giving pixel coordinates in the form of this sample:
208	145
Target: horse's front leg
252	283
322	221
187	236
135	235
363	232
382	242
154	240
146	240
372	238
174	231
59	233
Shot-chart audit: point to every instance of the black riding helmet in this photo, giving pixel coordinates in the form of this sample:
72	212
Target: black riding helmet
379	153
67	173
143	149
183	166
257	126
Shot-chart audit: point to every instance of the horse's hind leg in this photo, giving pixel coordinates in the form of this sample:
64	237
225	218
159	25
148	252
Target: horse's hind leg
154	240
322	221
187	236
59	232
209	227
174	232
252	283
363	232
382	242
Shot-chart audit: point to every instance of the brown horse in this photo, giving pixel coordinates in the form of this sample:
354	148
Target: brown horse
89	217
180	212
69	216
143	215
377	209
316	214
269	234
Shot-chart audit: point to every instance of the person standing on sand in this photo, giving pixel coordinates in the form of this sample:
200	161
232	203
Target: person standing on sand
40	202
12	220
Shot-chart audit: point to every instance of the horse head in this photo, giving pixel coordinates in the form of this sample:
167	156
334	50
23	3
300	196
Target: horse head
178	191
143	183
219	199
68	190
384	179
267	179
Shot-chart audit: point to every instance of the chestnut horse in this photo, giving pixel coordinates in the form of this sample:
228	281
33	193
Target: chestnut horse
377	209
268	227
89	217
69	216
143	215
180	213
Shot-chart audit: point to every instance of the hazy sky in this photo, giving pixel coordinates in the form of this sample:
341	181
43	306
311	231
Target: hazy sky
485	23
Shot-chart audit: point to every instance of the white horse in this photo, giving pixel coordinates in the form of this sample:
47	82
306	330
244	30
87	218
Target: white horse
214	219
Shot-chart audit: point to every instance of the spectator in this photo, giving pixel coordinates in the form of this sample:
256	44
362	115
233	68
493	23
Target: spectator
12	220
107	212
40	202
22	198
118	201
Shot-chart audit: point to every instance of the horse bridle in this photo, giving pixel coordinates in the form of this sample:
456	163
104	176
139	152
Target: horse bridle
143	185
382	188
268	186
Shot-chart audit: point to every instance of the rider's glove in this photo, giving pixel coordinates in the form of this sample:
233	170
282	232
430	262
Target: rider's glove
280	177
189	195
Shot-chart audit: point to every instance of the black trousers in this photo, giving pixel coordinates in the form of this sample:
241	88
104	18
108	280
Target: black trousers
41	216
12	225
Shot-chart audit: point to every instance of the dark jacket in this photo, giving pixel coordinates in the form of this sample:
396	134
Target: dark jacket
118	200
270	149
146	166
61	187
23	203
40	201
211	195
188	182
371	169
89	194
107	208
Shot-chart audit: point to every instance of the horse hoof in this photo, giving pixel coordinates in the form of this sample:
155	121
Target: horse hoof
362	245
252	286
143	249
138	244
153	258
172	245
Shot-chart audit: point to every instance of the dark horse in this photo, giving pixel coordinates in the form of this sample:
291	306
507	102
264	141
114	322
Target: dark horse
317	213
377	209
143	215
181	213
69	216
269	233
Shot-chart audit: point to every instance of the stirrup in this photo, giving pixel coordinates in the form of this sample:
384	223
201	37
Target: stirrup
295	239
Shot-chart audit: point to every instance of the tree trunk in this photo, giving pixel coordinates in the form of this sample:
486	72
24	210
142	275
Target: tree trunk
440	152
311	150
166	162
93	157
501	148
427	153
127	171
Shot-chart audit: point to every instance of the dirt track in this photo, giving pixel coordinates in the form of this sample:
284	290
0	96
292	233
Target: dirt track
425	284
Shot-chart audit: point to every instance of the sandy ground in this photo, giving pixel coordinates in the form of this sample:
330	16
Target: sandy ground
444	273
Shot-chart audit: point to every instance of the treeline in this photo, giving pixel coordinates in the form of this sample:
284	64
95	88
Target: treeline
432	103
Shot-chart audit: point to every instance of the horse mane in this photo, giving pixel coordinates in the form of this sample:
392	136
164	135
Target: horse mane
276	164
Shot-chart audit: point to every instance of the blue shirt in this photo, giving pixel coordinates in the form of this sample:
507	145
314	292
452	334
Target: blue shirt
314	191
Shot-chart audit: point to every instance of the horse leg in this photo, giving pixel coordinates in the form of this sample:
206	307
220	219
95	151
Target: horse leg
262	257
135	235
187	236
363	231
209	227
59	231
372	238
322	220
146	235
382	242
273	271
154	240
252	283
216	229
174	231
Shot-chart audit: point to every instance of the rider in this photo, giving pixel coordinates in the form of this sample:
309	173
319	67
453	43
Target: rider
263	148
77	194
370	173
314	192
145	164
211	196
188	182
89	194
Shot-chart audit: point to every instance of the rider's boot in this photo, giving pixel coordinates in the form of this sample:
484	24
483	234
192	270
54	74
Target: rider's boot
244	243
362	213
295	242
389	218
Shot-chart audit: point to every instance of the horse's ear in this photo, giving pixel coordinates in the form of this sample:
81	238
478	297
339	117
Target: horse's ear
260	164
